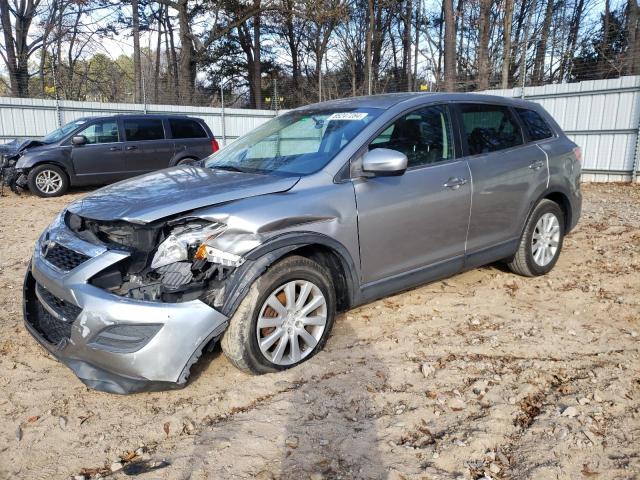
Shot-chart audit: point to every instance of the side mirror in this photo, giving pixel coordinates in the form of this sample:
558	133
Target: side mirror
384	162
79	140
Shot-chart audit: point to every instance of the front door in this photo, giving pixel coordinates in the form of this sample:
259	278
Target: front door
100	160
419	219
146	148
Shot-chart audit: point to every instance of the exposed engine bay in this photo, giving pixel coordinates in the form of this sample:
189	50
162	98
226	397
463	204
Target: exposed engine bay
169	261
10	153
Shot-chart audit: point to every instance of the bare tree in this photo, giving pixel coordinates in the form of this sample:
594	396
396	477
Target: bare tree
506	45
449	47
633	37
137	68
483	45
541	46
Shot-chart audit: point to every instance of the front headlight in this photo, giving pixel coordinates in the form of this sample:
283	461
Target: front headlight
176	246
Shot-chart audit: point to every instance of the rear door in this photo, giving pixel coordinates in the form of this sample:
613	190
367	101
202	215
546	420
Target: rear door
147	146
508	175
101	159
190	138
419	219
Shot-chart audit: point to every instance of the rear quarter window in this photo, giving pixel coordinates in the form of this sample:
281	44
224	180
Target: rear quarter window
534	124
185	128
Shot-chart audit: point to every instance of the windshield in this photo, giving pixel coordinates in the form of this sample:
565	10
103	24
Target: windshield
296	143
61	132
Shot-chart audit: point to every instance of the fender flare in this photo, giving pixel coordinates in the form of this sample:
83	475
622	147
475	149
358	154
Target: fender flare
548	191
262	257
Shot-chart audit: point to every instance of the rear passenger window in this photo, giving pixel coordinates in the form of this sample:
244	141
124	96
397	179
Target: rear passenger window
534	124
185	128
489	128
143	129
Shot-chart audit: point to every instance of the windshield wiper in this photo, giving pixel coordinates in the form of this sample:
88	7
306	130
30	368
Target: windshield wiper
230	168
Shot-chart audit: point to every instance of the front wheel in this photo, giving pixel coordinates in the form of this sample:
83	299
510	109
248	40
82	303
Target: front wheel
541	241
285	318
47	181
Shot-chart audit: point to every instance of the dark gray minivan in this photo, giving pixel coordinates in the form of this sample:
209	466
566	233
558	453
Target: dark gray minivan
102	150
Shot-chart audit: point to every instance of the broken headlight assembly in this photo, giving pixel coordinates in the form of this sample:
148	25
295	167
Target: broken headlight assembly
186	264
191	241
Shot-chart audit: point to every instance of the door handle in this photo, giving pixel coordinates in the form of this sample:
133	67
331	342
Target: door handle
132	147
114	149
454	183
537	165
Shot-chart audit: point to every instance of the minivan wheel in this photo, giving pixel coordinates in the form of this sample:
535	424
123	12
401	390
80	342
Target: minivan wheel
284	320
541	241
47	181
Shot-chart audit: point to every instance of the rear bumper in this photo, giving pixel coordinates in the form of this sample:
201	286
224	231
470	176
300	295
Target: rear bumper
160	362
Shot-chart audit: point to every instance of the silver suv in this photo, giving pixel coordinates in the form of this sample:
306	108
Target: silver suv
323	208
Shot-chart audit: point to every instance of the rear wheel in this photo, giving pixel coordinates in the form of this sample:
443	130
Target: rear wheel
47	181
541	241
285	318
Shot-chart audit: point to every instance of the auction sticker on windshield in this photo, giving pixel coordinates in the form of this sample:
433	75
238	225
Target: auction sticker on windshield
348	116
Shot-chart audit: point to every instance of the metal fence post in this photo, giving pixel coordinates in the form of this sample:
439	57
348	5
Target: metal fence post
636	157
222	117
55	92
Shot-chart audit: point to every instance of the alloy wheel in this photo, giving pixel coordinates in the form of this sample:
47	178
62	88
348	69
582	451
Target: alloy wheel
291	322
545	239
48	181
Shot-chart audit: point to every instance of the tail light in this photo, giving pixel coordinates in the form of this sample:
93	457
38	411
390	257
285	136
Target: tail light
214	145
578	153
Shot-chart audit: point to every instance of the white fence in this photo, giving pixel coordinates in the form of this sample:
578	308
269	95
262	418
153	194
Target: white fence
602	116
34	117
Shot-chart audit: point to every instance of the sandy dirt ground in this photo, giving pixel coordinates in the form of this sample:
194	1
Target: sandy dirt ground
486	374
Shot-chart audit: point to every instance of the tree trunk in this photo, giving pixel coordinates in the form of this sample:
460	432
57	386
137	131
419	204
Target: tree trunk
574	29
257	67
483	45
541	47
156	72
137	68
506	45
368	74
415	57
633	37
406	45
449	47
186	67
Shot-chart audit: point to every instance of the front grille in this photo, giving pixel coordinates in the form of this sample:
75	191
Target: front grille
52	329
64	258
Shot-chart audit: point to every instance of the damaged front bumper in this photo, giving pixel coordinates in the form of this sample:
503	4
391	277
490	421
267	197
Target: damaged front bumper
112	343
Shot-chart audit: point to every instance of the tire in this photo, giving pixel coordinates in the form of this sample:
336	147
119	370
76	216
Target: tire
240	341
535	255
186	161
47	181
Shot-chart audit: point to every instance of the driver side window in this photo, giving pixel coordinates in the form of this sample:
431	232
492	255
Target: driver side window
101	132
423	135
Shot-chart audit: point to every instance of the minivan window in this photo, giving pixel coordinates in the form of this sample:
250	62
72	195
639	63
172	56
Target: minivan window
185	128
137	129
101	132
299	142
489	128
61	132
423	135
534	124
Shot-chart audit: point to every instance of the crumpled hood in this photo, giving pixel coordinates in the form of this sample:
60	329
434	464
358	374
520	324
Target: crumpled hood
175	190
18	145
